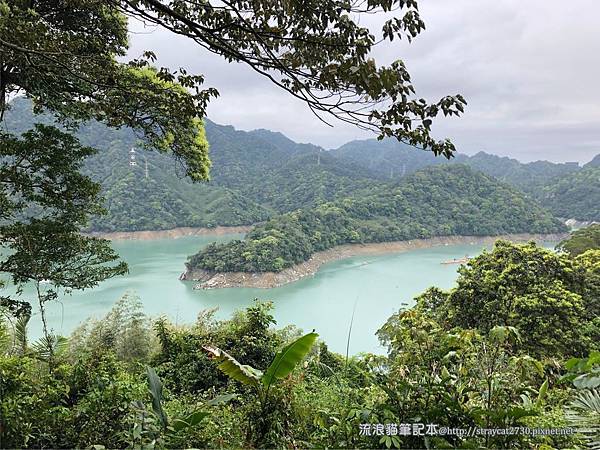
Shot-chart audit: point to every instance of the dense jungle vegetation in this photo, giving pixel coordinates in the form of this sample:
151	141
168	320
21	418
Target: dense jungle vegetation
131	381
514	344
436	201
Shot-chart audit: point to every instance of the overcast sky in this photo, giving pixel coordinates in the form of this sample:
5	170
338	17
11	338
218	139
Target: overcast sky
530	72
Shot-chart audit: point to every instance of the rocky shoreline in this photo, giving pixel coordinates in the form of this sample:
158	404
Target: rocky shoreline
171	234
215	280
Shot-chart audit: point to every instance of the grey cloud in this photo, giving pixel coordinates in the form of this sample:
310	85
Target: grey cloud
529	70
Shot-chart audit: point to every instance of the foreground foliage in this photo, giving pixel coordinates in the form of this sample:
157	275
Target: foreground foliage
128	381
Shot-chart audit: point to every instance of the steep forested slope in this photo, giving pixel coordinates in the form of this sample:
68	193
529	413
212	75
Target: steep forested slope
163	199
254	175
566	188
436	201
574	196
307	180
276	172
260	173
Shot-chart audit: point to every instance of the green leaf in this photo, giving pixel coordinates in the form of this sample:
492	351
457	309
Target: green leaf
587	381
583	413
192	420
232	368
48	346
221	399
286	360
541	393
501	334
155	388
20	333
572	363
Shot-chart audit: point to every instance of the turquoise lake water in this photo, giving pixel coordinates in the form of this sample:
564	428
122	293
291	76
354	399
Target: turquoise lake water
375	286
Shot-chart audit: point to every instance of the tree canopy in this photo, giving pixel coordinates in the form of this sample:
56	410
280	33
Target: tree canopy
66	55
550	298
46	201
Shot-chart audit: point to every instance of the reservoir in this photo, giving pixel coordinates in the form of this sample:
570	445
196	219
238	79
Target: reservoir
374	287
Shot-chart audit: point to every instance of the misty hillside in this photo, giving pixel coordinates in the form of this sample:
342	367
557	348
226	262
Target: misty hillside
260	173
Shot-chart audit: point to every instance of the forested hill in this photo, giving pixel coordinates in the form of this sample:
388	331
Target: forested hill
254	175
274	171
392	159
565	188
435	201
576	195
261	173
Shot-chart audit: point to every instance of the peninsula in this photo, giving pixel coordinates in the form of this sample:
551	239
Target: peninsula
436	205
206	279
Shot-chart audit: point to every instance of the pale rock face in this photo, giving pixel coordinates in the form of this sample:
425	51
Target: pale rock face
575	224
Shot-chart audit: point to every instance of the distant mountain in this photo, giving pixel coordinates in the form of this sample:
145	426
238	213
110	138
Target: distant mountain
280	140
392	159
595	162
389	160
575	195
529	177
278	173
260	173
435	201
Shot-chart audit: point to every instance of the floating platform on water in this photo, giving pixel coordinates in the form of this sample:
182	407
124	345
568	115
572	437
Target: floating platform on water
457	260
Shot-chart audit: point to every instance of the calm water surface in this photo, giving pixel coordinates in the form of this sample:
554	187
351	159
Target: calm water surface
375	286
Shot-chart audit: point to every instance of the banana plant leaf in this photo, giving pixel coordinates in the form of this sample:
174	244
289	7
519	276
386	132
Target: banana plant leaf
234	369
193	419
155	388
220	399
288	358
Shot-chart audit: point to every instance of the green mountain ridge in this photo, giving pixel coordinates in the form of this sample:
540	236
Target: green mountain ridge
576	196
391	159
260	173
434	201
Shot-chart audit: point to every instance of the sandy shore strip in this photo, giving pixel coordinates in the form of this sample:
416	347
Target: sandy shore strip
173	233
215	280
